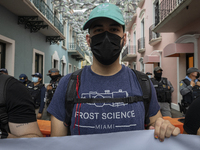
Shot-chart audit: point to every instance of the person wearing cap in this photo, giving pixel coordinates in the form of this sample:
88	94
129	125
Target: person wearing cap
164	89
37	91
4	71
17	113
55	78
24	79
106	77
149	74
189	88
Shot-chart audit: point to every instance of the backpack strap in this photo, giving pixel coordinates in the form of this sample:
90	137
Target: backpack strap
146	90
71	94
70	97
4	79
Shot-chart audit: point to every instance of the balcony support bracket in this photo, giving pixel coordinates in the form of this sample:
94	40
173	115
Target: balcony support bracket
53	39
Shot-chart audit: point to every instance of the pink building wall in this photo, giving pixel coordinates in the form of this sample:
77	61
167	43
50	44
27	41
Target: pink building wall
173	67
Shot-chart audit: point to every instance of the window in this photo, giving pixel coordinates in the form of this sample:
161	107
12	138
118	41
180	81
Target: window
63	66
142	28
65	27
2	55
39	63
134	42
156	13
141	64
69	68
55	64
189	60
55	60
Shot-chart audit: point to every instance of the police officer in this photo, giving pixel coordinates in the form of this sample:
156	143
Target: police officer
189	88
4	71
149	74
55	78
24	79
37	91
163	90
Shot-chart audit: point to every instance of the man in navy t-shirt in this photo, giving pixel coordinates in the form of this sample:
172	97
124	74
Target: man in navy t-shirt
106	78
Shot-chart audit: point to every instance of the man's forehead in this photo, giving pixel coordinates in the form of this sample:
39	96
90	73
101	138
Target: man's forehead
104	22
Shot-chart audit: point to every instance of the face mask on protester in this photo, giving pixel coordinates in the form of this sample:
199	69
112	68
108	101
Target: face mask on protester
106	47
55	77
158	75
149	76
35	79
197	75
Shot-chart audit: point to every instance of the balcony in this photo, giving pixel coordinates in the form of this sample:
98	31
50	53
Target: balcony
173	15
140	3
36	16
129	53
75	51
141	45
154	38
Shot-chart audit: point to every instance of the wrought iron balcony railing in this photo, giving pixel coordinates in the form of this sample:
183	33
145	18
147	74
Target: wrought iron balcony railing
141	43
165	8
153	35
130	49
74	46
46	11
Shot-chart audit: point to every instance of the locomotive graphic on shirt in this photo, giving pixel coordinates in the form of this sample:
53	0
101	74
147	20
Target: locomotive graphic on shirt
106	94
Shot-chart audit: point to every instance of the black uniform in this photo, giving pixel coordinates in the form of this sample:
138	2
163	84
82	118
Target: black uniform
162	91
54	84
35	92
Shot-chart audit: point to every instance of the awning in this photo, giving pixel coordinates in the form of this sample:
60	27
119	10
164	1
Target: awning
150	59
175	49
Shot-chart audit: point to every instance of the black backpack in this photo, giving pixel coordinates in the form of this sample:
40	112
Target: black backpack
4	79
74	83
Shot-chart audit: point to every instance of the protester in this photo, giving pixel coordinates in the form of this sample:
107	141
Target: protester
189	88
4	71
17	115
164	90
37	91
149	74
24	79
106	79
55	78
192	118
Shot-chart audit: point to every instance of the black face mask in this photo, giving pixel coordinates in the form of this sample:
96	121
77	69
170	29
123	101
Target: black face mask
158	76
55	77
106	47
197	76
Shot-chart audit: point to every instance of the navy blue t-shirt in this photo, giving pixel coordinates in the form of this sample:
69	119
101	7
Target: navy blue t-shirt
94	118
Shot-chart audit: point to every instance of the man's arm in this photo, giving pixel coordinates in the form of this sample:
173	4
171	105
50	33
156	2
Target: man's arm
184	89
57	127
24	130
163	128
170	85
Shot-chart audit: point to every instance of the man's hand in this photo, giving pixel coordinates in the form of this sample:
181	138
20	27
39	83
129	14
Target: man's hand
192	83
49	87
198	83
163	128
168	87
39	116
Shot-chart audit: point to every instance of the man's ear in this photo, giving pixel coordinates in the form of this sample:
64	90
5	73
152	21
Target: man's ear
124	39
88	39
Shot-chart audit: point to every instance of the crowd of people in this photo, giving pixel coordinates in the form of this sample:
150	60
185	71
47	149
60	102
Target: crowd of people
102	98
